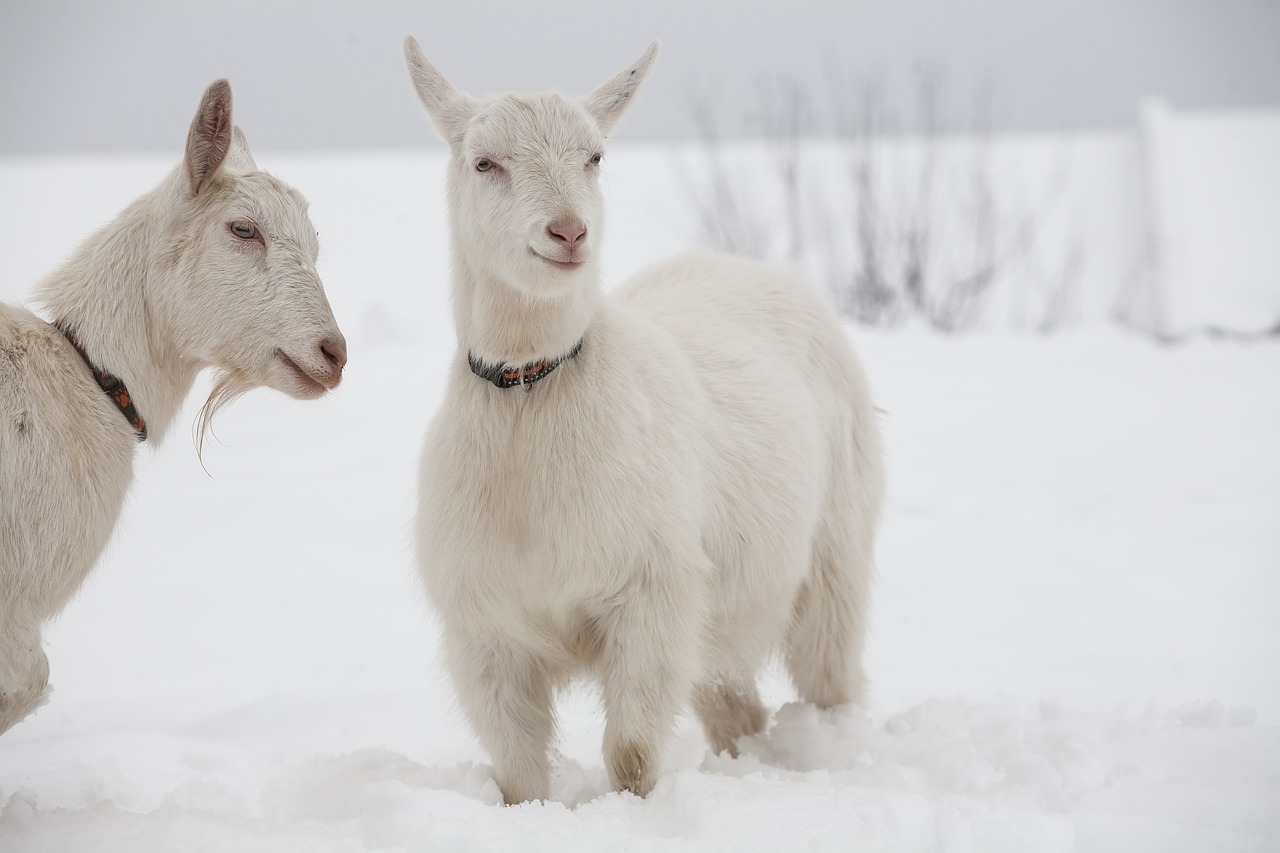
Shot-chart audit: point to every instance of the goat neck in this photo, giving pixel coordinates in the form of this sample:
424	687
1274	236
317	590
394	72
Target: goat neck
501	324
101	294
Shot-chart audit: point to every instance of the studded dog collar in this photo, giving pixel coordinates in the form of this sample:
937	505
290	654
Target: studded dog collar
504	376
111	384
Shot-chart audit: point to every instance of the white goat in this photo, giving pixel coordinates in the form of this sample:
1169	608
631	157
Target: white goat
214	267
692	481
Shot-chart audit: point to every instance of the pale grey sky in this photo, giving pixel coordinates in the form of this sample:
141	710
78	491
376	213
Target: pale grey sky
112	76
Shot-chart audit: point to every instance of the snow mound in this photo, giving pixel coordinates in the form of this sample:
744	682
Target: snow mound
944	775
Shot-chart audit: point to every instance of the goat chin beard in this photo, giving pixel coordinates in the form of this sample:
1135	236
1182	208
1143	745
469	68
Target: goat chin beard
228	385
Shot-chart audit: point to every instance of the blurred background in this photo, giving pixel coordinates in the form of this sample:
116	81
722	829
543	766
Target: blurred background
101	76
997	163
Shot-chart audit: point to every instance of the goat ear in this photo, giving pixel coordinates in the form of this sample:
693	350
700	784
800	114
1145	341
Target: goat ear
449	109
239	158
610	101
209	140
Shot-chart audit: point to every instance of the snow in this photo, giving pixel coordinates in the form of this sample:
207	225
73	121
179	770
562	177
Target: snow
1213	184
1074	644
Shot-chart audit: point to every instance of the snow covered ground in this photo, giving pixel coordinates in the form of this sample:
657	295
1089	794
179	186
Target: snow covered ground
1075	644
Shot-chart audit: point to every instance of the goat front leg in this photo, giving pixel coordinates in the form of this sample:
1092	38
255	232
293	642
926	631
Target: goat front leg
649	658
506	693
24	673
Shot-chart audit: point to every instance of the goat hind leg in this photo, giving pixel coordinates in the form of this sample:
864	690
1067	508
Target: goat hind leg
824	644
729	710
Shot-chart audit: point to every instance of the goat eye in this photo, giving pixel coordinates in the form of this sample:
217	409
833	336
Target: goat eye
244	230
484	164
596	158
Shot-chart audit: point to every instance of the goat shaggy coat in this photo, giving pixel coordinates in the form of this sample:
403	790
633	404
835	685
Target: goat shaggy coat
214	267
698	487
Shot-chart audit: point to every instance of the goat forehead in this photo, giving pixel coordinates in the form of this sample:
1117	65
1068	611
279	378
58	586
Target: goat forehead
267	200
526	125
269	191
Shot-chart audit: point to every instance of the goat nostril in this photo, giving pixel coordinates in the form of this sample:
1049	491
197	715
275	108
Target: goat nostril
567	232
335	352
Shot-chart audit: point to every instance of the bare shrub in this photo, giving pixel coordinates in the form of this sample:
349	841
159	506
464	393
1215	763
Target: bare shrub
901	227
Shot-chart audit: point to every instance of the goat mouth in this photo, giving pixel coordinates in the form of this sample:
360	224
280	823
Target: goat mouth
313	386
564	265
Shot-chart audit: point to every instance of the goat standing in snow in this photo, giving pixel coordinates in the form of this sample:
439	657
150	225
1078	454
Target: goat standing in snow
660	486
214	267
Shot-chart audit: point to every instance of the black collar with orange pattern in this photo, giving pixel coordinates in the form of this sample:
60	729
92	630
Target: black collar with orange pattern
509	377
111	384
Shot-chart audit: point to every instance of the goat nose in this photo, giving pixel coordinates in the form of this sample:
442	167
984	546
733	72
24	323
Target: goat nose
335	351
569	231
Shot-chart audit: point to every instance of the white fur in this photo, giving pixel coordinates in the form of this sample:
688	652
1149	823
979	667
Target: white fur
696	489
154	297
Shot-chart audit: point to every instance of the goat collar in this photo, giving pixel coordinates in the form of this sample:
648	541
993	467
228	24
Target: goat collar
111	384
508	377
